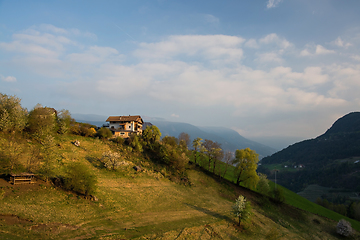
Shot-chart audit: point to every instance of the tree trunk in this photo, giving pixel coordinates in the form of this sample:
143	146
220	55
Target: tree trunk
238	180
225	170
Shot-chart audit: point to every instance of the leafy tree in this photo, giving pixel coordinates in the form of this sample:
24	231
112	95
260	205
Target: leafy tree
170	140
246	163
104	133
12	115
64	120
242	208
174	157
80	179
151	135
151	138
10	152
197	144
41	122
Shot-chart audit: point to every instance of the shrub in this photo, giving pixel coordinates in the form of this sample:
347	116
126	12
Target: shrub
136	143
80	179
278	195
242	208
263	184
344	228
118	140
111	160
104	133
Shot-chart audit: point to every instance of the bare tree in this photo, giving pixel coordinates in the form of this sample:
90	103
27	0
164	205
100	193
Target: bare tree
197	144
227	160
213	151
184	139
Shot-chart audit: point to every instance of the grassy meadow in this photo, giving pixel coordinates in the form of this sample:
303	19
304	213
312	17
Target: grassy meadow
147	205
291	198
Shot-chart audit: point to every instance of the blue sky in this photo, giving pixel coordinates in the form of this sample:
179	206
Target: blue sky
267	69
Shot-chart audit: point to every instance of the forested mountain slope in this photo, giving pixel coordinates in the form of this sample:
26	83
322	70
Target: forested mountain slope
329	160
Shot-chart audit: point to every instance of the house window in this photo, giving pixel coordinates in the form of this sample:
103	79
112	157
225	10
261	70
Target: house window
129	127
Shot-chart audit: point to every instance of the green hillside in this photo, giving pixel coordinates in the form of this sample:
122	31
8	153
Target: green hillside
91	186
144	204
329	160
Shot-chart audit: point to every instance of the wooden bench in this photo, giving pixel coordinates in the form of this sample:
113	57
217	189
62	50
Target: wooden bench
22	178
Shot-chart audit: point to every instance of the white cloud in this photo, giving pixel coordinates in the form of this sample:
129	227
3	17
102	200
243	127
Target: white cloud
51	28
275	39
269	57
273	3
305	52
33	42
346	84
311	50
251	43
8	78
340	43
321	50
176	72
208	46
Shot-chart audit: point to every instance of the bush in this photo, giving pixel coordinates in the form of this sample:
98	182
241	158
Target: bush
242	209
80	179
278	195
118	140
344	228
104	133
111	160
263	185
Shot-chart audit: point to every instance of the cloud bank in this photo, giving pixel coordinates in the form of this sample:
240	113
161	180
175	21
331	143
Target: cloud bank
256	84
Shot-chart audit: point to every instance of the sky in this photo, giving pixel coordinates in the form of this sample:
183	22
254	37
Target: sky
269	69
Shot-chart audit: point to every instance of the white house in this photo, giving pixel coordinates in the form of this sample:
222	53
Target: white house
124	126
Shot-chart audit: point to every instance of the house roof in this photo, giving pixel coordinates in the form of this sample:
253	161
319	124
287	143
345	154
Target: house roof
129	118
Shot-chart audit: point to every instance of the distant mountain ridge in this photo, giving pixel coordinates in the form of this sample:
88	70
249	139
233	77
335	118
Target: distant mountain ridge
330	160
229	139
342	140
